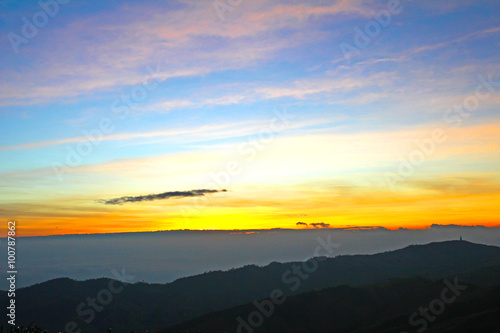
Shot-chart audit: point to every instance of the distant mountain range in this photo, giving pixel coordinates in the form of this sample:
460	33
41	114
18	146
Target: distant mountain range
360	295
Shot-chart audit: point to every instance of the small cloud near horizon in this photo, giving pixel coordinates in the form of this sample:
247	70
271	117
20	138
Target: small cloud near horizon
321	224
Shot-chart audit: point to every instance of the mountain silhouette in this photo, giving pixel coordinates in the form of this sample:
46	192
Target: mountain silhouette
142	306
389	306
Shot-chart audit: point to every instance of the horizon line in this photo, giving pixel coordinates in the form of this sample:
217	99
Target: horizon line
252	231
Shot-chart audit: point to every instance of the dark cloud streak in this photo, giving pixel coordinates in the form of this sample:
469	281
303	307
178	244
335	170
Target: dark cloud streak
322	225
160	196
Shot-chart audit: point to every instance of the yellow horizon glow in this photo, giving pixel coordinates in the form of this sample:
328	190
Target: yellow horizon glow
332	178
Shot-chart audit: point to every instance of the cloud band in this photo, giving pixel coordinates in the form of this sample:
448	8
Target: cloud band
160	196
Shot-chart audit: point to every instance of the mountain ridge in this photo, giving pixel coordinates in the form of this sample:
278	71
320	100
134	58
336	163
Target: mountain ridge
145	306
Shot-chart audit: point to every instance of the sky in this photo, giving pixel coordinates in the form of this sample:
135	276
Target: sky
122	116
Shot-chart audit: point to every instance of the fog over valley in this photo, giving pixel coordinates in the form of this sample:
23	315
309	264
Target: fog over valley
160	257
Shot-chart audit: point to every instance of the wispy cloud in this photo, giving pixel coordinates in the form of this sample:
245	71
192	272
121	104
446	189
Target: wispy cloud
469	36
101	52
160	196
193	134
